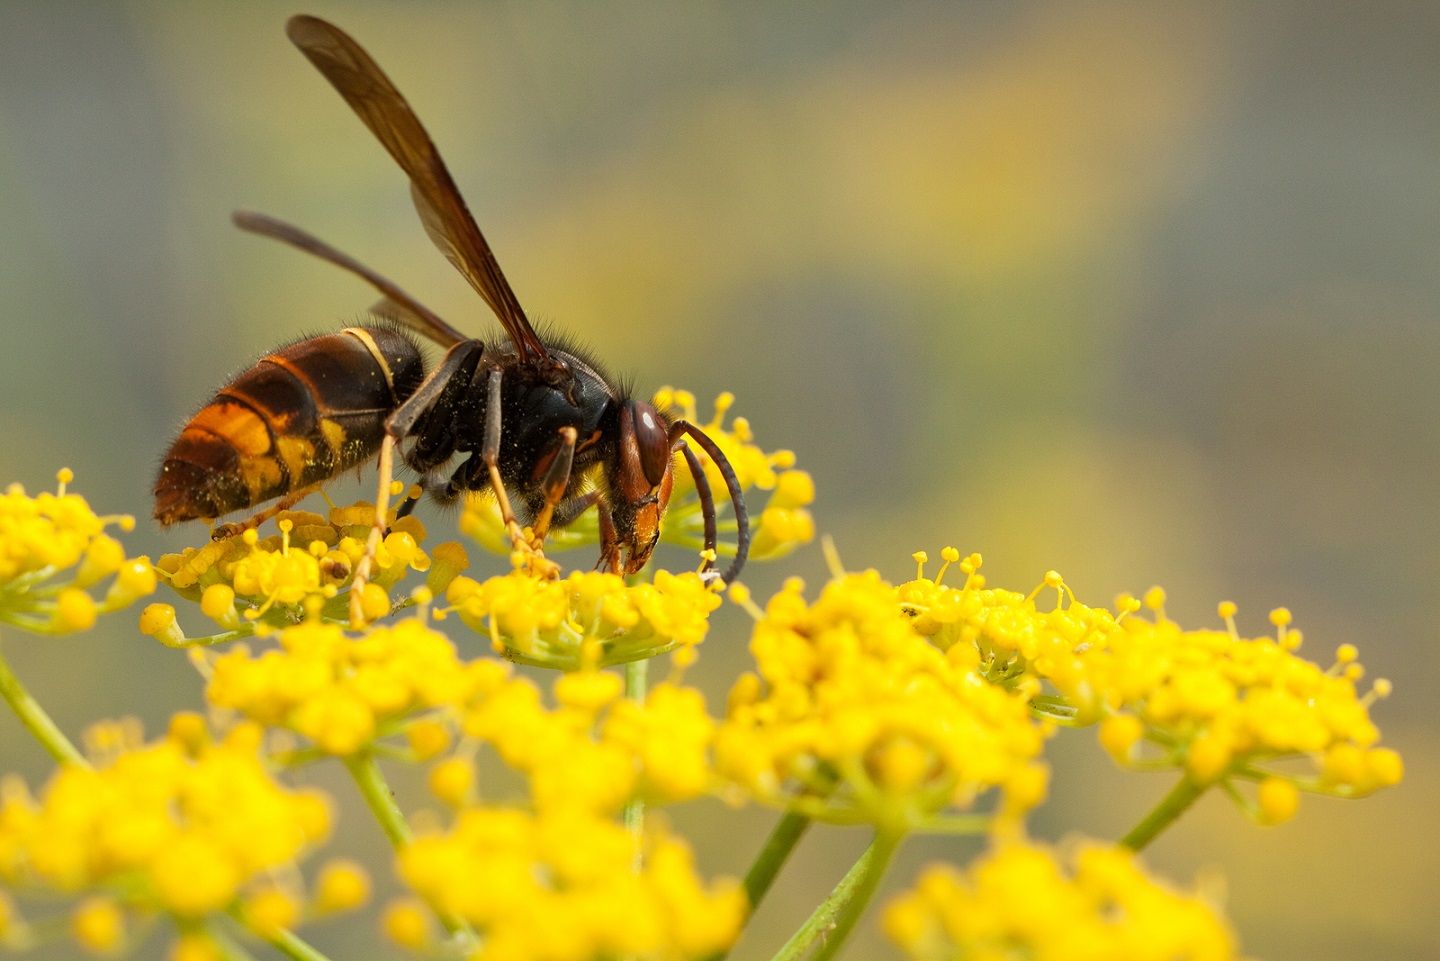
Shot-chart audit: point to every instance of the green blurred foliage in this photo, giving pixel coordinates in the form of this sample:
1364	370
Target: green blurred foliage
1145	293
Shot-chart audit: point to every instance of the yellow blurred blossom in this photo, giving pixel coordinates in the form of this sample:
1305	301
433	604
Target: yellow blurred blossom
853	715
54	554
337	690
1020	901
184	829
563	884
596	750
98	925
341	885
587	618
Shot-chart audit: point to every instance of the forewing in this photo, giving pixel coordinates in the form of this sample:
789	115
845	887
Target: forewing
441	208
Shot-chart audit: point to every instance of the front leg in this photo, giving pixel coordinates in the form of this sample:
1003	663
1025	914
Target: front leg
557	480
609	541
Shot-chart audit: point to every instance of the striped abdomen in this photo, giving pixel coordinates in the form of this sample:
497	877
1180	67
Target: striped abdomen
301	415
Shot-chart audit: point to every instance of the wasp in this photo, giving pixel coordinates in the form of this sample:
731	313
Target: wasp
531	418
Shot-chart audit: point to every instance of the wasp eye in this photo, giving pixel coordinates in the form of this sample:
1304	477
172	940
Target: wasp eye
653	439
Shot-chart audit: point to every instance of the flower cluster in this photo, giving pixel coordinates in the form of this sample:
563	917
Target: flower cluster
853	715
243	579
594	750
54	555
588	619
342	692
186	826
510	871
1210	701
1020	901
563	885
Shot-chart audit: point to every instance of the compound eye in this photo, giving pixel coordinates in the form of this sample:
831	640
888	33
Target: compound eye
653	439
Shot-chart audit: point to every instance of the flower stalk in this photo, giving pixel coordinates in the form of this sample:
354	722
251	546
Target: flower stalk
832	922
35	719
1185	793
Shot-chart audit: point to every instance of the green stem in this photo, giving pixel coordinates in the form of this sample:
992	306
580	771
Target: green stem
381	800
229	948
836	916
294	947
1171	806
36	721
375	789
637	677
778	846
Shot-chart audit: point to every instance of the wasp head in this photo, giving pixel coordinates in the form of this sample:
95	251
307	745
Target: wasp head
640	482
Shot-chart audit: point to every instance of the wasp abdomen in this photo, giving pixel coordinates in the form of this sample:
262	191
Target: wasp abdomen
301	415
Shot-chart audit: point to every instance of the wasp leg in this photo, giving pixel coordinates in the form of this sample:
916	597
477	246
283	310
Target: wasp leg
224	531
535	561
462	357
557	479
609	541
567	511
377	531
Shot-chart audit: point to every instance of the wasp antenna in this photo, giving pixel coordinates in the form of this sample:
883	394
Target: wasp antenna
707	501
732	484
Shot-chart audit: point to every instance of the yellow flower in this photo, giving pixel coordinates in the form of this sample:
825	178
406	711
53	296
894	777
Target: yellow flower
181	828
1212	702
311	560
564	884
587	618
98	925
337	690
854	715
54	553
342	885
1020	901
594	750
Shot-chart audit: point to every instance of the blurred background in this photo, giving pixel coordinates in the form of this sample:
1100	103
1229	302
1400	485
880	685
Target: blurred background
1143	293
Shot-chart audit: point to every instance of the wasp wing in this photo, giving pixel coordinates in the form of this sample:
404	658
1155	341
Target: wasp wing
398	305
441	208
